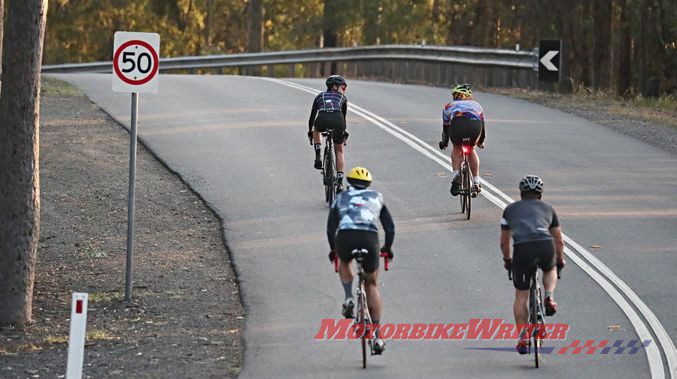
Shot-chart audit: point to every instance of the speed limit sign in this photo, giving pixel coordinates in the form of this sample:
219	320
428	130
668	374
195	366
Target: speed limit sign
136	62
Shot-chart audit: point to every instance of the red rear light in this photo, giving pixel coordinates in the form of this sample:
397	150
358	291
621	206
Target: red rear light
466	149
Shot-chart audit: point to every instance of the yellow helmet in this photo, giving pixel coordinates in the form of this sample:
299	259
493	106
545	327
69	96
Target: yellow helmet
461	92
359	176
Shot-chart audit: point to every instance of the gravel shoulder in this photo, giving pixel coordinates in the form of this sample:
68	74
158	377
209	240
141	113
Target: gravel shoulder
654	122
186	318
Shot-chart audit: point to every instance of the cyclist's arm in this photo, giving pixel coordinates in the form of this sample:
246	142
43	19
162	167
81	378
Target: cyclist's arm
332	226
388	226
506	234
313	113
483	135
556	233
344	109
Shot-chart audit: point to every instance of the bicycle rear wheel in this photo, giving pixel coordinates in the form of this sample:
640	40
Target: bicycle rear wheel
361	311
460	178
467	190
533	319
329	176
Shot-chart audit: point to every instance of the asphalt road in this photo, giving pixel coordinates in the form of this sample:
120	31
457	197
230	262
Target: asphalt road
240	142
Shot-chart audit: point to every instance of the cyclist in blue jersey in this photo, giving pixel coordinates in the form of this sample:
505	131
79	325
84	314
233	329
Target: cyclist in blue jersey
462	119
537	238
354	214
329	112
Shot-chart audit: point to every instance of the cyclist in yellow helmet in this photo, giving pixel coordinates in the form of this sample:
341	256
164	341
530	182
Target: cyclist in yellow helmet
463	123
354	214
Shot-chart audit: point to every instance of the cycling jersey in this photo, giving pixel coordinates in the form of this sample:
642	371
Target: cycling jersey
328	101
462	108
529	220
358	209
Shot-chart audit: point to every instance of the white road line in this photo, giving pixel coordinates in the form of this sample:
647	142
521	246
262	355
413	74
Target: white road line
604	277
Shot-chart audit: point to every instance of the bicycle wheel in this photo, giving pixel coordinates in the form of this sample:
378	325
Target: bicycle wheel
467	190
328	174
533	318
361	310
461	197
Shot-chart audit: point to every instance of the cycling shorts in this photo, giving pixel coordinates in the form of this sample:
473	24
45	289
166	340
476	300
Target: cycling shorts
462	128
331	120
528	255
348	240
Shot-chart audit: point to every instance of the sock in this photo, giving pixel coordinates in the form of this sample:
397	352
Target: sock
454	175
376	322
549	294
476	180
348	288
339	176
318	147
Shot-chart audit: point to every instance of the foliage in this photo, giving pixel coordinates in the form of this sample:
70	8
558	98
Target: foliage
627	45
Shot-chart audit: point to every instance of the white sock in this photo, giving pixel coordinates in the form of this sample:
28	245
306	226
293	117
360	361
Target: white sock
476	180
454	174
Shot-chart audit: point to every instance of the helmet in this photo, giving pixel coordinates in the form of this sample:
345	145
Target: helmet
359	177
531	183
461	91
335	80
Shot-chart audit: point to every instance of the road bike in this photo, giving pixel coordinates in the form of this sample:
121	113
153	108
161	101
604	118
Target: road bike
536	322
329	167
466	192
363	324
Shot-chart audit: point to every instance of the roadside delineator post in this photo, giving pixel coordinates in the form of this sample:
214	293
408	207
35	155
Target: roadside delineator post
76	338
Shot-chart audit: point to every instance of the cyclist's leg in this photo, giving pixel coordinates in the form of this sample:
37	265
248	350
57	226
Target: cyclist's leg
523	257
547	252
317	138
339	125
370	266
345	242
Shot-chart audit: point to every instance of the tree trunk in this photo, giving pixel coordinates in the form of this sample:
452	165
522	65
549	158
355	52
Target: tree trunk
370	14
19	157
601	44
254	32
2	27
330	29
624	76
641	48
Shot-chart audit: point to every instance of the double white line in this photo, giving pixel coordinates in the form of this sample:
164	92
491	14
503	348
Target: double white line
596	269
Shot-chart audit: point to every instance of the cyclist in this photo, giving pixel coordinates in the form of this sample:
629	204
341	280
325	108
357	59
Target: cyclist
462	119
354	214
537	239
330	107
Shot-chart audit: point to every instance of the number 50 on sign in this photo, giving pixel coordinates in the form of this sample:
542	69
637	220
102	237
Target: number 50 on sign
136	62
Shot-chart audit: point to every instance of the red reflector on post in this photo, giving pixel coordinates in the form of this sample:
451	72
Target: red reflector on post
78	306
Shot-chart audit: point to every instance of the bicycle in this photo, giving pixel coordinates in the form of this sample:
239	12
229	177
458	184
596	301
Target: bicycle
363	321
536	322
467	191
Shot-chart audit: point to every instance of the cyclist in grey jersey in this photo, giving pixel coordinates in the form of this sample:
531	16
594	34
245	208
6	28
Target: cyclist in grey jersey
354	214
537	239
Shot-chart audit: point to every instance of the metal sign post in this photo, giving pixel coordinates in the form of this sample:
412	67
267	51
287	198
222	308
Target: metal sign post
135	66
132	197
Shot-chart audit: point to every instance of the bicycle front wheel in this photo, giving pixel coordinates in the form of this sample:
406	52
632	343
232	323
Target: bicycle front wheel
362	323
533	320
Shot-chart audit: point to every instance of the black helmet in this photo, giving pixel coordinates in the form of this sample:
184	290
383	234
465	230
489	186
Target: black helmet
335	80
531	183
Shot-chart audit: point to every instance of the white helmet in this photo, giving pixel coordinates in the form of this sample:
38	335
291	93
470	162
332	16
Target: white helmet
531	183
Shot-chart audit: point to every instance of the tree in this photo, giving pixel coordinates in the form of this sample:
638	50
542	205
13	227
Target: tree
19	153
254	31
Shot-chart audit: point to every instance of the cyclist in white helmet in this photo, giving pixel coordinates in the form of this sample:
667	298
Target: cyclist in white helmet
537	238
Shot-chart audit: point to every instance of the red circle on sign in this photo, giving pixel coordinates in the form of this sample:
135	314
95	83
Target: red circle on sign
140	81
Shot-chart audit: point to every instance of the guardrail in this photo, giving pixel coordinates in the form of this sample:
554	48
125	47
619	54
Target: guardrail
435	65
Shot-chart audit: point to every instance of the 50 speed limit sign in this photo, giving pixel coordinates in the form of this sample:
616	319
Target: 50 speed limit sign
136	62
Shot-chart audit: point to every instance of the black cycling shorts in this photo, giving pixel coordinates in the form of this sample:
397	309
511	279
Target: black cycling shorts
349	240
529	254
331	120
465	128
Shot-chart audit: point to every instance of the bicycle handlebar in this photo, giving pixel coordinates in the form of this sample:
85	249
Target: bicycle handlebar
385	260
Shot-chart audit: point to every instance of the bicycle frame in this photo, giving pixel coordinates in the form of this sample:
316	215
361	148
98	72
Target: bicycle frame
466	192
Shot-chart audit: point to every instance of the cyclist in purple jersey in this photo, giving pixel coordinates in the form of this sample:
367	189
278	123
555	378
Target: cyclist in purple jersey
329	112
463	123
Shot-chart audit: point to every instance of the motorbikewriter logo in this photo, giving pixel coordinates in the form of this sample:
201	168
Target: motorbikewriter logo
474	329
